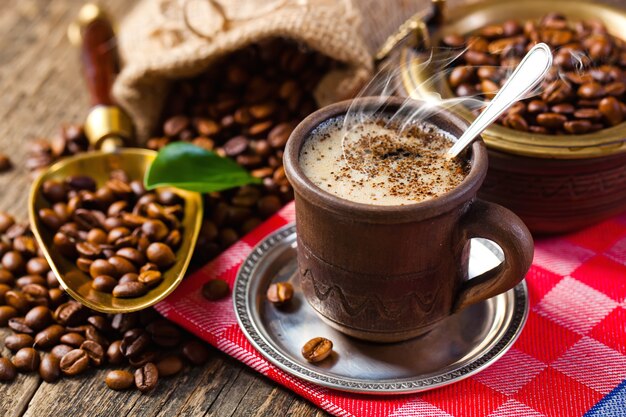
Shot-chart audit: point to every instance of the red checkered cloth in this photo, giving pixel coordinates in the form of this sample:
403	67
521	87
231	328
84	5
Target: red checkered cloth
569	360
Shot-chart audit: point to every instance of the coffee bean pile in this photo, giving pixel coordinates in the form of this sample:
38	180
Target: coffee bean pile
58	337
585	90
243	108
123	236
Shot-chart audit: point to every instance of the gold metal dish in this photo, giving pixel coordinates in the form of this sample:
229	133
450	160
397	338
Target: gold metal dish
99	164
467	18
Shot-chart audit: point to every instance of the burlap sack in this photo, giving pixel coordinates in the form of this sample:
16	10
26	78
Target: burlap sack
163	40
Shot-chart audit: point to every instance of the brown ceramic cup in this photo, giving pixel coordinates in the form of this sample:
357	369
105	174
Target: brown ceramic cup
390	273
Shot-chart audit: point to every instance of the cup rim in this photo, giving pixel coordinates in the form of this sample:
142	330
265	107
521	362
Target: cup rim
302	185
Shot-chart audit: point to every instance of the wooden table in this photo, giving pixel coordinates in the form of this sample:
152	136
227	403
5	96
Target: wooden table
41	88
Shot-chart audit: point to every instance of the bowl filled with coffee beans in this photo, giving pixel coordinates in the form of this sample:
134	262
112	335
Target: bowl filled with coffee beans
556	158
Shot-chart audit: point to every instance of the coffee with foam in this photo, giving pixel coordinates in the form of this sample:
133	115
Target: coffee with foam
381	161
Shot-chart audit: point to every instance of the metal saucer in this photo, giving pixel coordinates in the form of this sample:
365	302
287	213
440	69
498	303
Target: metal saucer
460	346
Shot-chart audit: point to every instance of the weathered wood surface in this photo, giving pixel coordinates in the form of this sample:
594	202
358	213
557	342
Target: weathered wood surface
40	87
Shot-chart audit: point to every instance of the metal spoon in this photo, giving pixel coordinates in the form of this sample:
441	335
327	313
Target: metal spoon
526	76
108	129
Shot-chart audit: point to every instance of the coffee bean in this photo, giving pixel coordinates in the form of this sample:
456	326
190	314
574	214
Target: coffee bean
70	313
60	350
38	317
37	266
104	283
551	120
114	354
175	125
13	262
6	277
6	221
49	337
146	377
119	380
611	110
94	351
279	293
17	325
26	360
134	342
163	333
196	352
53	191
160	254
169	365
74	362
7	313
150	278
215	289
317	349
18	341
72	339
50	368
129	290
8	371
577	127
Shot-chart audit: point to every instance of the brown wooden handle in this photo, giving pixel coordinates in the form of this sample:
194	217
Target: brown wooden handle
494	222
99	59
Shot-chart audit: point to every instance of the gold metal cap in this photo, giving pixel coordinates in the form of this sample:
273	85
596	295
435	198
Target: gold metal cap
108	122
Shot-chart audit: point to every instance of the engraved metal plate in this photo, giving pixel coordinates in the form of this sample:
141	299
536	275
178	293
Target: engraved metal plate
460	346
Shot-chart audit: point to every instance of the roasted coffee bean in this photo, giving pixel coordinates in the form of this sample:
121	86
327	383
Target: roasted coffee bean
13	262
551	120
26	360
279	293
119	380
38	317
150	278
576	127
74	362
50	368
169	365
53	191
71	313
317	349
18	341
160	254
6	221
163	333
60	350
196	352
49	337
114	353
17	325
131	277
6	277
146	377
215	289
143	358
611	110
37	266
7	313
8	371
72	339
102	267
26	280
129	290
104	283
134	342
94	351
17	299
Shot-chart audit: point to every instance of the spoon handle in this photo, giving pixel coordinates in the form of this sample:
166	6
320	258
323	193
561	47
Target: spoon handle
526	76
98	54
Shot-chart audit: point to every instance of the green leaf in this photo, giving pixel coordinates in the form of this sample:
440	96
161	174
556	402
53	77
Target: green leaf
192	168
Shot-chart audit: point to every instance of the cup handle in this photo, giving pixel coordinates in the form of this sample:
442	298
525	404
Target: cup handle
494	222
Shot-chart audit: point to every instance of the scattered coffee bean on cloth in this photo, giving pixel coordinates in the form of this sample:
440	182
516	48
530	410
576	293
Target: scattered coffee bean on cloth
584	91
60	338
